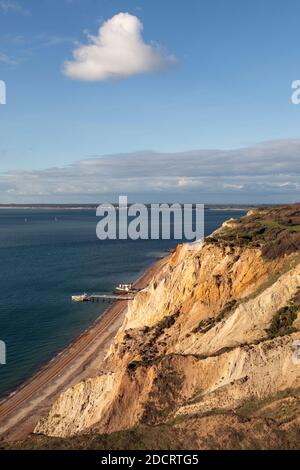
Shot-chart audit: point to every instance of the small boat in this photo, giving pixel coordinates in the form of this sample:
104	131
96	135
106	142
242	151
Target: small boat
124	289
80	298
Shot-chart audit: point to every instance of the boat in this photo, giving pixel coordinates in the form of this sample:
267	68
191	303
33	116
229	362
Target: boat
80	298
124	289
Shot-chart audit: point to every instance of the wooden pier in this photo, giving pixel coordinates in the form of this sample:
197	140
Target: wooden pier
107	297
101	297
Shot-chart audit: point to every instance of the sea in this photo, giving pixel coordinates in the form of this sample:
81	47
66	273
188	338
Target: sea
46	256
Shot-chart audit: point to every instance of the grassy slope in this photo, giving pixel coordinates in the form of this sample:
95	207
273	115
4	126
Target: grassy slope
256	425
276	231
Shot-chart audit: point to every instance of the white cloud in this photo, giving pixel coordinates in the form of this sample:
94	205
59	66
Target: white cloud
118	51
189	183
233	186
246	175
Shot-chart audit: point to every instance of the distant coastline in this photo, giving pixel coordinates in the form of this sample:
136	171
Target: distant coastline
213	207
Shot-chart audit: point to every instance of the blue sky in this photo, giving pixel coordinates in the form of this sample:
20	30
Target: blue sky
217	77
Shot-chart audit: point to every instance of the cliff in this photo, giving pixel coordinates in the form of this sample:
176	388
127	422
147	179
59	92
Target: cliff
209	341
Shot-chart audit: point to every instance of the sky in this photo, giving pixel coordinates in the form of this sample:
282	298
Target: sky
161	100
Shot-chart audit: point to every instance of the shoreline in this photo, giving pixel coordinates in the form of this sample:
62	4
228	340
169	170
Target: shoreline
79	360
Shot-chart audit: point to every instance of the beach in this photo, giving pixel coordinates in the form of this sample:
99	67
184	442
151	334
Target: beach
20	412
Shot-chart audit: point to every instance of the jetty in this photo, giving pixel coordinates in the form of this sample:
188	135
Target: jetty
20	412
121	292
101	297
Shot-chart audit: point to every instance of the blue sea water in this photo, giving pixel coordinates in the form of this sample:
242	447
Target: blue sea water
45	257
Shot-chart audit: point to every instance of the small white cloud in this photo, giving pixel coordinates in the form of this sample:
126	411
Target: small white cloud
288	185
189	183
118	51
233	186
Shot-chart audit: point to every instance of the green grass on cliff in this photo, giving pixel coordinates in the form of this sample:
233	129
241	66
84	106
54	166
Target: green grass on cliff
281	407
283	320
275	230
259	427
139	438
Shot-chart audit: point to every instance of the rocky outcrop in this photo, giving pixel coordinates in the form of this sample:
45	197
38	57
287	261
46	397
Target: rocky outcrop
213	330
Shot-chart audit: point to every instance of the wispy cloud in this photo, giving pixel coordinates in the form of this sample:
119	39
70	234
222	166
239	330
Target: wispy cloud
118	51
268	172
5	59
54	40
24	47
12	6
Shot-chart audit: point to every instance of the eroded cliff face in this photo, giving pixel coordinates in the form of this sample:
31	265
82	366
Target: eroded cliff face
214	329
